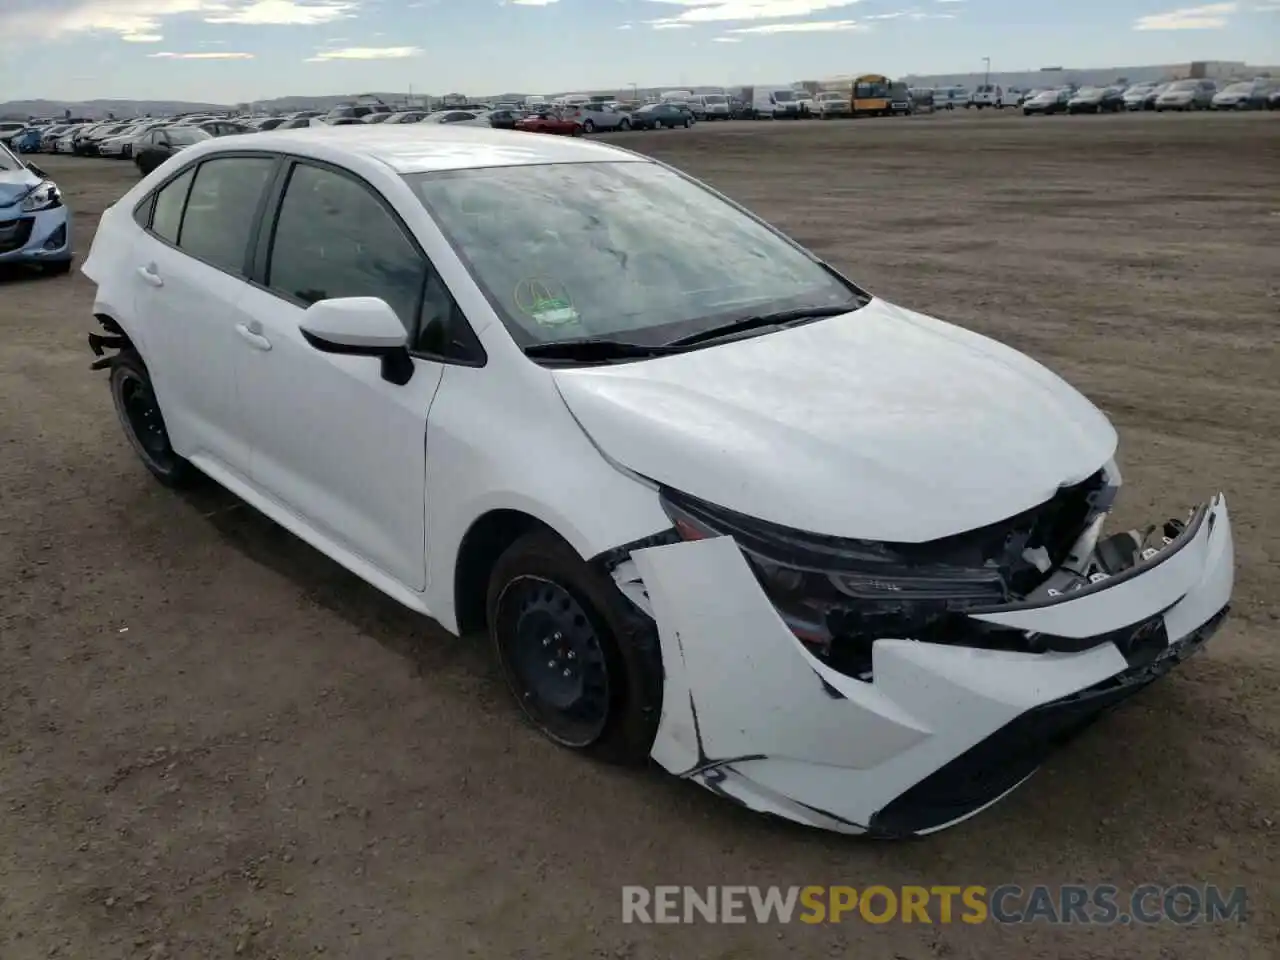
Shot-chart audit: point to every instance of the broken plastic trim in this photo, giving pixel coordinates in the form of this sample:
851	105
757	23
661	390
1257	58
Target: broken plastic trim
114	340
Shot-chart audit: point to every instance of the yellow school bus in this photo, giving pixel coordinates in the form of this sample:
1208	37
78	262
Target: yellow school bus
871	96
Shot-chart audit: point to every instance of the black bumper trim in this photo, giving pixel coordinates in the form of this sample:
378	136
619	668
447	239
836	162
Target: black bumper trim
994	766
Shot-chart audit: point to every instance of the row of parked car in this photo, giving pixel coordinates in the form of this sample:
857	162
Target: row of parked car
1182	95
148	141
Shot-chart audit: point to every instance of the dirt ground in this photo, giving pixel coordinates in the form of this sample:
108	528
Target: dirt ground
216	743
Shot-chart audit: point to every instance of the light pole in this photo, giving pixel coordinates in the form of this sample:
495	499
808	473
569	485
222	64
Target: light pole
986	79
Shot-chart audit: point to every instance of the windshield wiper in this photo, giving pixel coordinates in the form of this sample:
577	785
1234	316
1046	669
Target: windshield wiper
778	319
596	349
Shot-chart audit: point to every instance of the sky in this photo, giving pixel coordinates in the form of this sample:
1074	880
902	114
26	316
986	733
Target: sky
226	51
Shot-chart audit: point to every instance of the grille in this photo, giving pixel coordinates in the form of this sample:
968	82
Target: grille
14	234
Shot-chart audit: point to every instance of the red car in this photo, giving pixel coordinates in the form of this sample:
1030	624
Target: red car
551	121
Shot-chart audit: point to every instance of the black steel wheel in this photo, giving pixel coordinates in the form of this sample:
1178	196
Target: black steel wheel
551	653
584	665
139	412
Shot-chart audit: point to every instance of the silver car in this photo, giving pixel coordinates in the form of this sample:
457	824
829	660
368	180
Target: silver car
1245	95
599	116
1187	95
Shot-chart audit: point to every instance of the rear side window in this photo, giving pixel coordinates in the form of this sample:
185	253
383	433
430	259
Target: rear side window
220	209
167	219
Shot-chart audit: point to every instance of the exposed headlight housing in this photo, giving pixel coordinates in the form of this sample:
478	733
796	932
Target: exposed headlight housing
839	595
44	197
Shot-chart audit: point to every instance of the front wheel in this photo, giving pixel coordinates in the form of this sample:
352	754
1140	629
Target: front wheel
625	125
687	123
139	413
584	667
589	126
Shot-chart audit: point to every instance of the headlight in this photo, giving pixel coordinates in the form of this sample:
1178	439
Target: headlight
838	595
43	197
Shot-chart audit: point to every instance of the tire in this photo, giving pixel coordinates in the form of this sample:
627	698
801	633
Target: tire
599	688
577	130
59	269
139	413
687	123
589	127
624	125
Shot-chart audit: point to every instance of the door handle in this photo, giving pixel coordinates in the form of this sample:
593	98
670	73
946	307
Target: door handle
149	275
253	337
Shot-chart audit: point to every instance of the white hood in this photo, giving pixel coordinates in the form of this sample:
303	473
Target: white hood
881	424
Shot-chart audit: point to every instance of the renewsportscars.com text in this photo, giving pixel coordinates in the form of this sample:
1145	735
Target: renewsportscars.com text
1099	904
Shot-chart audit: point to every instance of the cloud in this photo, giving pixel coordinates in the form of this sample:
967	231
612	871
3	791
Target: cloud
726	40
529	3
365	53
669	25
220	55
131	19
719	11
1210	17
285	12
141	37
810	26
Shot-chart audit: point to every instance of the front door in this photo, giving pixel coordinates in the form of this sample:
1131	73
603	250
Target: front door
333	442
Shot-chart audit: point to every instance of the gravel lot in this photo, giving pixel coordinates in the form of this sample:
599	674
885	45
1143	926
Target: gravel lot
216	743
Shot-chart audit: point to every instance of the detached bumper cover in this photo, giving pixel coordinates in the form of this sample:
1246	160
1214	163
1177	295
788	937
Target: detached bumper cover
41	237
941	731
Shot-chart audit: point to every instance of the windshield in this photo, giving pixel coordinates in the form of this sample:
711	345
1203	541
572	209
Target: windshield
783	96
1183	85
8	161
715	98
871	89
617	250
830	96
1090	92
1239	88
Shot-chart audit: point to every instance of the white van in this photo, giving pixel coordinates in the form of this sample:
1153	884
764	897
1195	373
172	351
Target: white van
987	95
711	106
775	103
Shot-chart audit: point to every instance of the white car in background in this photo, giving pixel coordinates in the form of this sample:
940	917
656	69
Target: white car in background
120	147
712	502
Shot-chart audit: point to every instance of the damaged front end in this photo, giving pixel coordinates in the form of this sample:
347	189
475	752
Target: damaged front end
899	688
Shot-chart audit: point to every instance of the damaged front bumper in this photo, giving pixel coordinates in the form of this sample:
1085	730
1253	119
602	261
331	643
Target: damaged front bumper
40	237
938	731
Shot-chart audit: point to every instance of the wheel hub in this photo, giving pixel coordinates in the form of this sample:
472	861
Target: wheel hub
554	659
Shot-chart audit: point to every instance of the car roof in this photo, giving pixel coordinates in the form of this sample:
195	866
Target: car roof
417	148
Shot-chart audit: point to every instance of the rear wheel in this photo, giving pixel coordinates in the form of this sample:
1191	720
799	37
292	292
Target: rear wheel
624	125
584	667
139	413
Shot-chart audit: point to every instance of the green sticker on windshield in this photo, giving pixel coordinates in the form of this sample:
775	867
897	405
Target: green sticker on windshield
547	302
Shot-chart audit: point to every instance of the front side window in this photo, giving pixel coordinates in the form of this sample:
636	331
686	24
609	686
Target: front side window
619	250
333	238
221	208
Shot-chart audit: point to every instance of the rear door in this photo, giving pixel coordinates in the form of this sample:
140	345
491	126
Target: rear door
188	275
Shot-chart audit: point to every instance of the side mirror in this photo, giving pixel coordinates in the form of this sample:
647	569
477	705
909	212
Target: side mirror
362	327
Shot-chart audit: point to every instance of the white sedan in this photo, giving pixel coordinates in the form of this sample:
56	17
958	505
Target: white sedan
712	502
